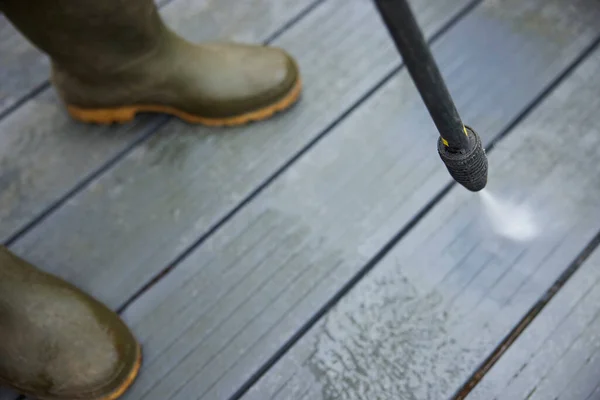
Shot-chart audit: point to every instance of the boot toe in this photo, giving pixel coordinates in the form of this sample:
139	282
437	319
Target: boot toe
247	80
57	343
100	369
276	78
74	355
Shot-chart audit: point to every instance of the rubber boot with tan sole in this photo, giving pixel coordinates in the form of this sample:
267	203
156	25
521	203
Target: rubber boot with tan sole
114	58
58	343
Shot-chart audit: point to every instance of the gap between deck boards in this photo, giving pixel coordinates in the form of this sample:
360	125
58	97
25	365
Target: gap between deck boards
152	127
434	37
527	319
148	131
279	171
535	310
43	83
416	219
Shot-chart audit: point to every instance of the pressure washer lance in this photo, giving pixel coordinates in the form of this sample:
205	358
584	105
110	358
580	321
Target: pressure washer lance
459	146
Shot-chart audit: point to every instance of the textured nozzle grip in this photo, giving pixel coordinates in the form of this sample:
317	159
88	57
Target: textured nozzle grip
468	167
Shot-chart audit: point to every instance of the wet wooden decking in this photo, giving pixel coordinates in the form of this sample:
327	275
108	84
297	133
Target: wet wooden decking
324	254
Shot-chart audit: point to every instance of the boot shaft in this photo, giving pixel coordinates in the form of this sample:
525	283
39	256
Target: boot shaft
114	58
88	37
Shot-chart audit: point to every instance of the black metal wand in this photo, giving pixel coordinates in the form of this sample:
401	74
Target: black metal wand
459	146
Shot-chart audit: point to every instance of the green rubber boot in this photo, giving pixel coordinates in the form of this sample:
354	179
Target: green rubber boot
114	58
56	342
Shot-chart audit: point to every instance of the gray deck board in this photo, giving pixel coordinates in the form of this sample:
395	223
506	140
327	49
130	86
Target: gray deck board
22	67
422	321
235	300
417	325
44	154
125	227
557	356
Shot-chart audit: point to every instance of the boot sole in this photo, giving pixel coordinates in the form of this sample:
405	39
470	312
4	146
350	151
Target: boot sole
133	374
107	116
114	395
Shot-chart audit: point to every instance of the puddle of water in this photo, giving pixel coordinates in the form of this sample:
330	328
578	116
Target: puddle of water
513	221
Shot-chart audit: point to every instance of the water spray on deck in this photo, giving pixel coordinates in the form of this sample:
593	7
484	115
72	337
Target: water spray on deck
512	221
459	146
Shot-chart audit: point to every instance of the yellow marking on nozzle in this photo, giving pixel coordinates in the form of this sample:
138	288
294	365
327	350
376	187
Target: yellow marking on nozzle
445	142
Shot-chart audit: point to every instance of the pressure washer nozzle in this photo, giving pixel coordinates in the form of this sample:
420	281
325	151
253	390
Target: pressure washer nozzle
469	167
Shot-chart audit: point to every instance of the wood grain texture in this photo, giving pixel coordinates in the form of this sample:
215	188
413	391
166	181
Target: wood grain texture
420	323
557	356
235	300
140	215
44	154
